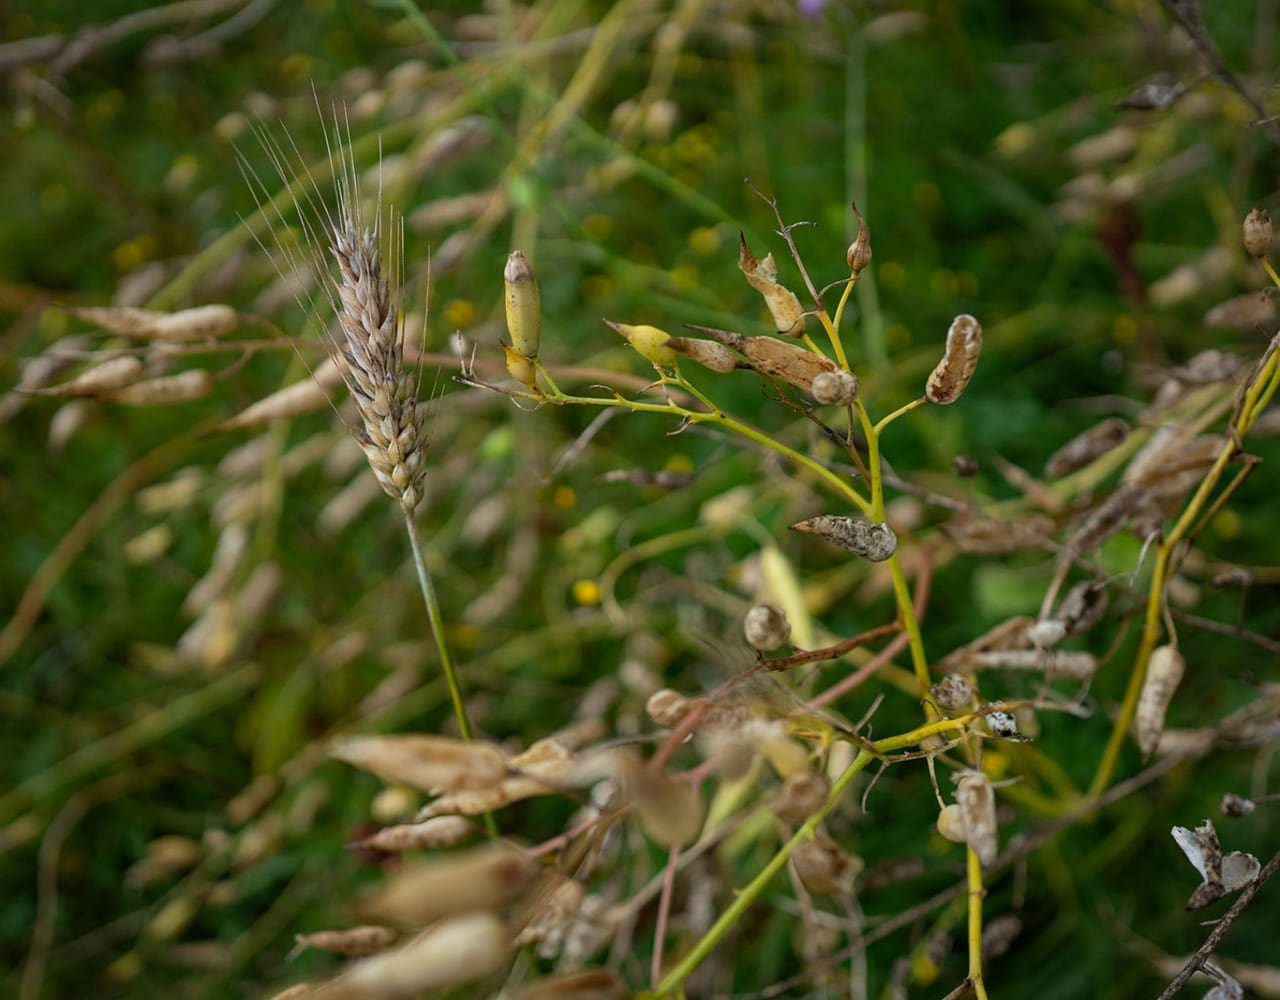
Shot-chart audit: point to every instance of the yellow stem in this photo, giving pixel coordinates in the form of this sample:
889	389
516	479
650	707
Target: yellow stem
976	893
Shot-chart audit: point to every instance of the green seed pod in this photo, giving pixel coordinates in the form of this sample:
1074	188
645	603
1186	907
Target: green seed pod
524	305
649	341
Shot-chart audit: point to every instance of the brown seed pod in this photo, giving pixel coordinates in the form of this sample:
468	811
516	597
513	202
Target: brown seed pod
801	795
1010	634
1164	674
99	380
1083	607
766	627
460	950
1235	806
199	323
523	305
1108	517
707	353
858	256
838	388
668	708
949	379
977	804
824	867
952	692
304	396
991	536
1257	232
1072	664
589	984
770	356
555	908
670	811
443	831
480	879
431	763
762	275
871	540
352	941
1084	448
183	387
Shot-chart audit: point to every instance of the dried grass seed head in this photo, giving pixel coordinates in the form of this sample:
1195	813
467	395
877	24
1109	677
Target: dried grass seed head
959	359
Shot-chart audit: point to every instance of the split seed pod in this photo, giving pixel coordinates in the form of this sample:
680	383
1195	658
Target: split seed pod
650	342
872	541
707	353
762	275
524	305
1164	673
949	379
766	627
839	388
977	804
1257	232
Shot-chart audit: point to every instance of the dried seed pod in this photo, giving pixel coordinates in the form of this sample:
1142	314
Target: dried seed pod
183	387
1083	607
966	466
352	941
430	763
785	755
949	379
1235	806
1074	664
1046	633
1108	517
950	823
481	879
824	867
999	935
524	305
1084	448
1004	725
707	353
521	368
1164	673
766	627
668	708
990	536
858	256
589	984
762	275
199	323
442	831
871	540
801	795
650	342
1010	634
304	396
456	951
670	811
838	388
952	692
1257	232
556	908
778	358
101	379
977	804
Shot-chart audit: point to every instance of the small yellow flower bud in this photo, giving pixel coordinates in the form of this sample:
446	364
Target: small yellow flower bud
524	305
1257	232
649	341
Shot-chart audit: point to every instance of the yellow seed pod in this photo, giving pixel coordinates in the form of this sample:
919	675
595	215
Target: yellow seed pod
1164	674
649	341
950	824
521	368
949	378
524	306
762	275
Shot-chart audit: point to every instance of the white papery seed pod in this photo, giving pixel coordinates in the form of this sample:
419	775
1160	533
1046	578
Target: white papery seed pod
766	627
839	388
1164	674
977	804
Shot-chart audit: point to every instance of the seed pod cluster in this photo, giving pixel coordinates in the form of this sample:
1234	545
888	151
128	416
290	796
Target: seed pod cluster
1257	232
766	627
1164	674
762	275
872	540
523	304
1084	448
960	357
650	342
838	388
707	353
858	256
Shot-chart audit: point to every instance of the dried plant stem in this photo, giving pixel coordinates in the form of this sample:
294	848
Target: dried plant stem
1256	397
